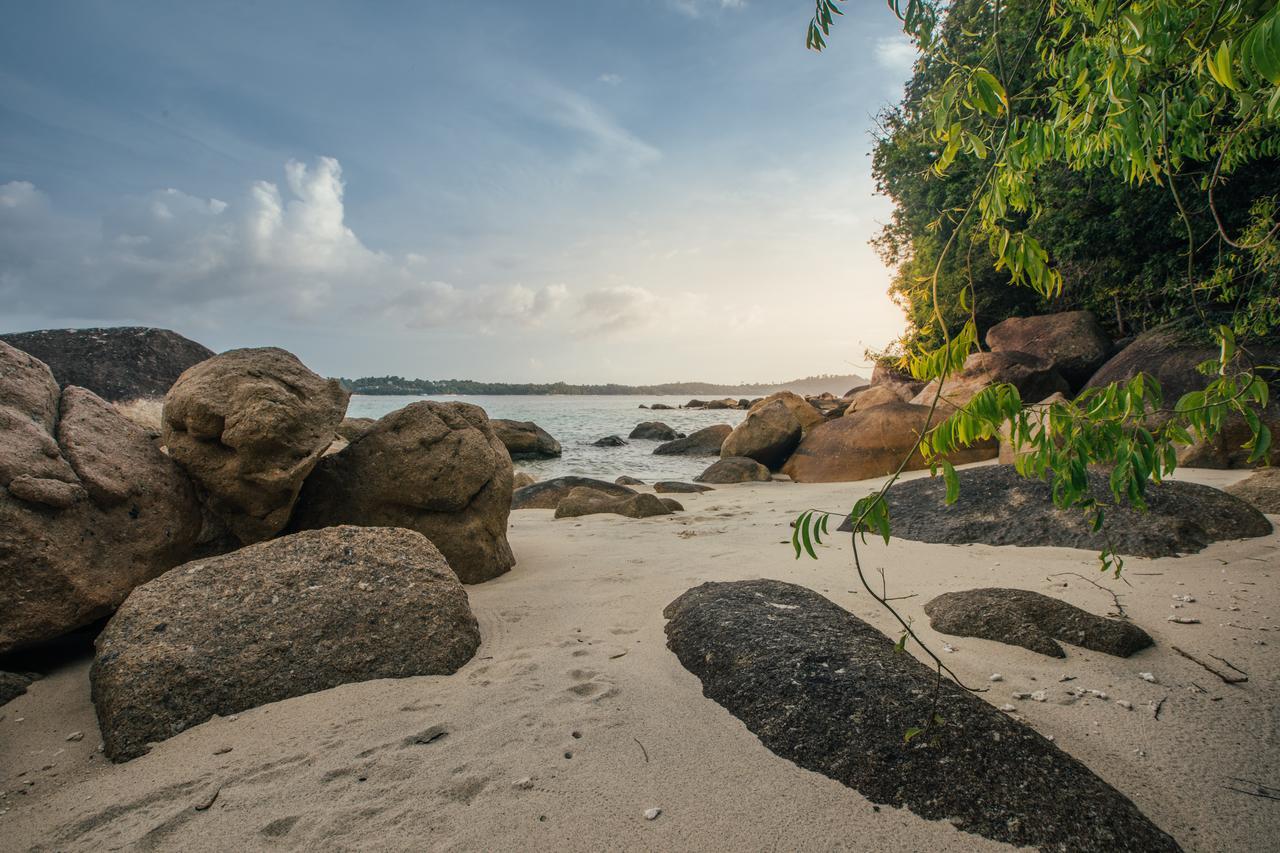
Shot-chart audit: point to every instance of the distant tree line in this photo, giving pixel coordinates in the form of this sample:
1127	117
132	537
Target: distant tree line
398	385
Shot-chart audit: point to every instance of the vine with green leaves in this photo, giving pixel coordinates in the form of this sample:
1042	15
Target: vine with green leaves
1176	94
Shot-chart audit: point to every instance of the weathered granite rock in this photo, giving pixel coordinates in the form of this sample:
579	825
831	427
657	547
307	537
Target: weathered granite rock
726	403
116	364
735	469
109	511
870	443
28	415
899	380
1034	378
548	493
13	685
997	507
248	426
520	479
676	487
1072	342
704	442
654	431
436	468
1036	416
1262	489
768	434
588	501
353	428
610	441
279	619
825	690
626	480
525	439
805	413
1029	619
872	396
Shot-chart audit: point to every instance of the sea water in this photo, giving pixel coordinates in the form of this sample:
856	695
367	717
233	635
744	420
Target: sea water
576	421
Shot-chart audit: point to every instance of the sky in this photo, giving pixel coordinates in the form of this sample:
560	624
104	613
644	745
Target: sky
612	191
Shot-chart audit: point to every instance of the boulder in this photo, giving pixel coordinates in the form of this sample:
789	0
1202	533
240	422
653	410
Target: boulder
998	507
549	493
279	619
726	403
1034	378
896	378
28	415
661	407
525	439
520	479
695	404
704	442
352	428
654	431
806	414
768	434
1262	489
588	501
872	396
1071	342
822	688
626	480
676	487
435	468
871	443
116	364
248	426
13	685
91	512
735	469
610	441
1036	416
1024	618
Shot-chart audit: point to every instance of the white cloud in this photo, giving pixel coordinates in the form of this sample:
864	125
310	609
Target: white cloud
604	144
896	54
616	309
609	79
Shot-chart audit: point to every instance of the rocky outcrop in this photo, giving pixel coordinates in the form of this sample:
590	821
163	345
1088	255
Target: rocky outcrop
588	501
548	493
520	479
610	441
871	443
13	685
805	413
726	403
676	487
116	364
768	434
900	381
997	507
279	619
525	439
249	426
435	468
88	510
704	442
1034	378
1071	342
872	396
654	431
1261	489
822	688
352	428
735	469
1024	618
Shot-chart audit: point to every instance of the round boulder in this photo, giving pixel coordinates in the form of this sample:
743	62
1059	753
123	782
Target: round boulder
1034	378
525	439
279	619
549	493
1071	342
735	469
803	410
436	468
654	431
587	501
249	425
767	434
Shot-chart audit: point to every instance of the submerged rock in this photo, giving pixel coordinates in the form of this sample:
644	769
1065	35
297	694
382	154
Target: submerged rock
298	614
548	493
704	442
735	469
525	439
610	441
654	431
587	501
998	507
1024	618
824	689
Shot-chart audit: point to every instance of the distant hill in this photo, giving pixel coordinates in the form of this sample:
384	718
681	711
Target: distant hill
809	386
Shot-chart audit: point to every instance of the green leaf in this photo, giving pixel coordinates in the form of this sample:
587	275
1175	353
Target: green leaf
953	482
910	733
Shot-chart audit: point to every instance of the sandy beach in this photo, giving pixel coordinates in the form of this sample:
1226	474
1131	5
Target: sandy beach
574	718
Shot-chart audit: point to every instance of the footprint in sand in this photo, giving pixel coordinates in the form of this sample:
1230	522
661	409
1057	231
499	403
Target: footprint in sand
279	827
590	685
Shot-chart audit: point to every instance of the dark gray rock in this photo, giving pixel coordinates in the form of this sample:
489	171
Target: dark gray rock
654	431
677	488
735	469
13	685
704	442
660	407
626	480
1072	342
548	493
997	507
116	364
1024	618
282	618
525	439
824	689
610	441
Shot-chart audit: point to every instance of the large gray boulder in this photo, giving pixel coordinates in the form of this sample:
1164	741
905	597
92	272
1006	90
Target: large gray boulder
1071	342
768	434
998	507
125	363
436	468
248	426
279	619
547	494
704	442
88	510
525	439
1032	620
820	687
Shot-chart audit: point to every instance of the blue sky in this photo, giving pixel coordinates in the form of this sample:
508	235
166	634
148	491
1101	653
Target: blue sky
619	190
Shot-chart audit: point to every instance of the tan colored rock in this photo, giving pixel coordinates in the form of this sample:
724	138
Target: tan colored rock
767	435
586	501
735	469
436	468
872	396
521	479
1034	378
805	413
249	425
868	444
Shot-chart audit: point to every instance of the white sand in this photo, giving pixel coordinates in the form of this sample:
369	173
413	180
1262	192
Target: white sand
573	643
